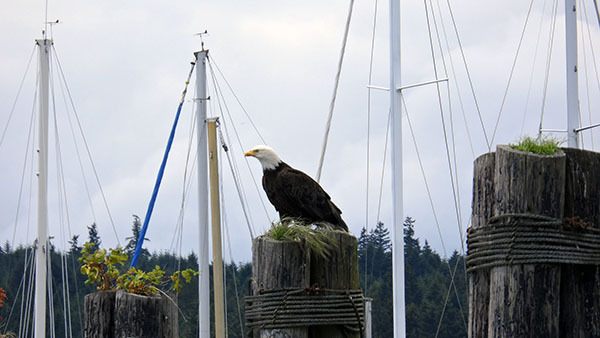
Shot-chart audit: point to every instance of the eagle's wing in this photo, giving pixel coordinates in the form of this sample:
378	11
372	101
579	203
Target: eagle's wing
307	194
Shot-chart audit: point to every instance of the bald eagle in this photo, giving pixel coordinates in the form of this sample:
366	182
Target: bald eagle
293	193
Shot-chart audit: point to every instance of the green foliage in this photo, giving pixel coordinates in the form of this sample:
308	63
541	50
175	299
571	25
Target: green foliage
140	282
101	267
187	275
540	146
295	230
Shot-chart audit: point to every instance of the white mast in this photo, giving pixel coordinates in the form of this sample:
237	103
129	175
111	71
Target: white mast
41	269
203	259
397	222
571	69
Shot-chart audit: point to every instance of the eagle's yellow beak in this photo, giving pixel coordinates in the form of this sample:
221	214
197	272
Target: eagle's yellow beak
250	153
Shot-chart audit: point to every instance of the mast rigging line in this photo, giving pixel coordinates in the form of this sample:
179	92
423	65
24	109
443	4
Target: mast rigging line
85	143
140	242
335	89
64	216
64	93
21	285
368	152
454	190
221	102
593	58
176	241
212	61
230	251
78	154
597	11
435	216
580	13
454	78
27	148
232	164
548	61
533	66
12	110
450	111
512	71
464	59
236	181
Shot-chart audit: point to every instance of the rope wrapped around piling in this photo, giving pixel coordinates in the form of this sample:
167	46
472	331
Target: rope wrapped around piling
512	239
285	308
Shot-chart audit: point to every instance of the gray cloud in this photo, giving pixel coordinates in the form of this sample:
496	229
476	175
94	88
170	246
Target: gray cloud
126	62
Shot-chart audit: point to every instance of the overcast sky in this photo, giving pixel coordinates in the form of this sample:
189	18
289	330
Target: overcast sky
126	63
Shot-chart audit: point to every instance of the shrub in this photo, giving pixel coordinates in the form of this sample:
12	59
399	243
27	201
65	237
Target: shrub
105	269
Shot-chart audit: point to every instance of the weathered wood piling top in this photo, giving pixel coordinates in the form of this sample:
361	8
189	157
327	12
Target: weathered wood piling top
534	245
318	296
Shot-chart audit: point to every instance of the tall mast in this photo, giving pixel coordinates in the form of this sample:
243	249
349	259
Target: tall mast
396	127
203	259
41	269
571	68
215	213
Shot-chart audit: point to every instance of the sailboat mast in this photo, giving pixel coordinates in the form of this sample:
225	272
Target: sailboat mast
396	133
571	69
215	213
203	258
41	268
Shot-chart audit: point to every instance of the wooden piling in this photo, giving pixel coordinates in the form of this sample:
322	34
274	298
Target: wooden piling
483	206
526	299
279	265
340	272
98	315
287	264
580	284
120	314
523	297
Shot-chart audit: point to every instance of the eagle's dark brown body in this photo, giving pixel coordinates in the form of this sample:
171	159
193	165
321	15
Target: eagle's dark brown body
295	194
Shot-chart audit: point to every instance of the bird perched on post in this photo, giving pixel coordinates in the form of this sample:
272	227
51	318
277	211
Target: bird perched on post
293	193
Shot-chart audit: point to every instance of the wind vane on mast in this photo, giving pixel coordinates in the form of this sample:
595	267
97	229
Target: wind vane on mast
51	23
201	40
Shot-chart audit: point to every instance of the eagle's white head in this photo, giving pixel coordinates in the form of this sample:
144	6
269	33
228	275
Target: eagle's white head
265	155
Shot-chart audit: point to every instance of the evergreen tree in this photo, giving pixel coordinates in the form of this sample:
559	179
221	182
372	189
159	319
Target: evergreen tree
74	249
427	280
132	241
7	247
381	237
93	236
379	254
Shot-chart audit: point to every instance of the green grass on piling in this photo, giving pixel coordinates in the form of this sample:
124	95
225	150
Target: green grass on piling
540	146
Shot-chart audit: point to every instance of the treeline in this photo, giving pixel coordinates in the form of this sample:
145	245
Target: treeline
431	309
427	285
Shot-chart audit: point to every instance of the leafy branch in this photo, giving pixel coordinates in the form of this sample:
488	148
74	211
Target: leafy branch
104	269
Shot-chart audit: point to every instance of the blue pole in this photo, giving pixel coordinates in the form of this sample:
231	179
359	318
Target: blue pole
161	171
